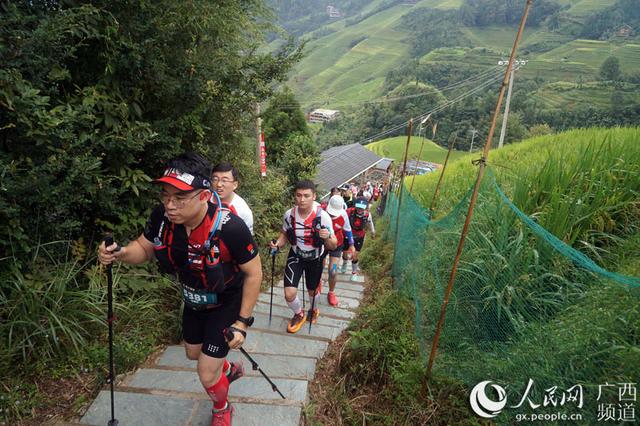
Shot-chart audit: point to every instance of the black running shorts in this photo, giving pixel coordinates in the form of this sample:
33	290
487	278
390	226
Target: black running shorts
296	266
336	253
358	242
207	326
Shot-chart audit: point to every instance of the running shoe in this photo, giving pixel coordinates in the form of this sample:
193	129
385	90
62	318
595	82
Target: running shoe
222	417
296	322
314	315
354	277
331	297
343	270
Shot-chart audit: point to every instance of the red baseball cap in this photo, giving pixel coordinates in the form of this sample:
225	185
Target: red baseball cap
182	180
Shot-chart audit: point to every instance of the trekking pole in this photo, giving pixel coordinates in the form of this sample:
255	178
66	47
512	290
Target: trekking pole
273	271
254	365
313	304
108	240
304	289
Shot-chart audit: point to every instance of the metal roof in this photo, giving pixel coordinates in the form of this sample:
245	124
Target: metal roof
340	164
384	164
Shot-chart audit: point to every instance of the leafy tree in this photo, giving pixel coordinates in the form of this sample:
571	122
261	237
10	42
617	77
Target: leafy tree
610	69
96	96
300	158
282	119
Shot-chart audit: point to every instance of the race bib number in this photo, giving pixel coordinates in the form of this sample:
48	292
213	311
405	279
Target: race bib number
198	298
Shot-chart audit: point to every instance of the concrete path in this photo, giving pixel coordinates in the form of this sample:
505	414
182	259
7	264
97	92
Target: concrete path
166	390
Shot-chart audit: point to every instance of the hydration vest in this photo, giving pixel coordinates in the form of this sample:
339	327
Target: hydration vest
358	222
200	291
316	225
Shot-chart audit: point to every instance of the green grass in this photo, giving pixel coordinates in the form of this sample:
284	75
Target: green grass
333	65
524	305
588	176
394	148
348	67
565	95
585	7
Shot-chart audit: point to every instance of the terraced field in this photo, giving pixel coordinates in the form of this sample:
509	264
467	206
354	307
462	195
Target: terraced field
394	148
347	67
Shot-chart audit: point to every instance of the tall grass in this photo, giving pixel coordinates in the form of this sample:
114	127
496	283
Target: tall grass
521	307
53	322
582	185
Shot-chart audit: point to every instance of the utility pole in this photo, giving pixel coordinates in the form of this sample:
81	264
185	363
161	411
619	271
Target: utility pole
505	117
473	135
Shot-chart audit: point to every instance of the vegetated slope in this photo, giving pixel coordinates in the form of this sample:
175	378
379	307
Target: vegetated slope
349	64
394	148
509	318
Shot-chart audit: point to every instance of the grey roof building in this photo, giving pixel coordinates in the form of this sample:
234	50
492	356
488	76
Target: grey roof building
342	164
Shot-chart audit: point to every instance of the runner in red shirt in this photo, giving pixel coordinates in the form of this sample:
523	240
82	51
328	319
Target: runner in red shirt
213	256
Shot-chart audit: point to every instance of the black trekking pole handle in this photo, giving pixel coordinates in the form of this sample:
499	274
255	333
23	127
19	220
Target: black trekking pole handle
228	334
108	241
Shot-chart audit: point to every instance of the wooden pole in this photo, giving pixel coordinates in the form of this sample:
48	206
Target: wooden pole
446	160
404	169
474	196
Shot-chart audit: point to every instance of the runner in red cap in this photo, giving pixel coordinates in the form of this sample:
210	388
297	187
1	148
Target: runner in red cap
213	256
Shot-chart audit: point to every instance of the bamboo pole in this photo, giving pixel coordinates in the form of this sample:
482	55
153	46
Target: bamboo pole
433	134
474	196
404	169
446	160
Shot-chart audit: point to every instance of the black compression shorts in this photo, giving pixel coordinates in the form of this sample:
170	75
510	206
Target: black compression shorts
296	266
207	326
357	243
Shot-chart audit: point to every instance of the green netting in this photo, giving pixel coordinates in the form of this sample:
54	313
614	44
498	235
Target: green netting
524	305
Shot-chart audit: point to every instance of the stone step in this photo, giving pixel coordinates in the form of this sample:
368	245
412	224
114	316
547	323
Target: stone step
160	410
246	414
279	325
347	285
187	382
261	313
343	303
283	310
275	366
277	344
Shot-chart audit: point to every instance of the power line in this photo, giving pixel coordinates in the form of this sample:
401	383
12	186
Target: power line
438	108
493	71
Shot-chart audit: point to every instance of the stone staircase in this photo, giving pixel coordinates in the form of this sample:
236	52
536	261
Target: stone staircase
166	390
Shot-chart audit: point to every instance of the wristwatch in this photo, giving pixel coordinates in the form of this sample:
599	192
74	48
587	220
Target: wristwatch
246	321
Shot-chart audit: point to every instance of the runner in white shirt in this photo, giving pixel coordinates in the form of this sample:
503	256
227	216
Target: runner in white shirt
225	181
309	230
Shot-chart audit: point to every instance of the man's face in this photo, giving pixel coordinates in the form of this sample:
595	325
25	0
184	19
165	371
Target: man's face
359	212
182	206
305	198
224	184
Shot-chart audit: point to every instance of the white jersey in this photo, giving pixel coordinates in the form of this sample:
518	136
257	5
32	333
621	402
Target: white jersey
240	208
302	227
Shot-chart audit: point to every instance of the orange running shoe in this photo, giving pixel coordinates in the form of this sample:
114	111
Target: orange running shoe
296	322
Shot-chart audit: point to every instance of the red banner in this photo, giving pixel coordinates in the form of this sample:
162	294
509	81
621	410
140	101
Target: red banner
263	156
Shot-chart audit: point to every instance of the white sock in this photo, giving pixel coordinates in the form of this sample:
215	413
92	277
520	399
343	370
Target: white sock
354	267
295	305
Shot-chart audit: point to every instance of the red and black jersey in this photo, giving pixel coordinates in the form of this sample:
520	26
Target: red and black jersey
186	254
358	222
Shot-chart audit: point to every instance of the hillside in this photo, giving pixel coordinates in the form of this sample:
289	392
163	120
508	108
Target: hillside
348	59
394	148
